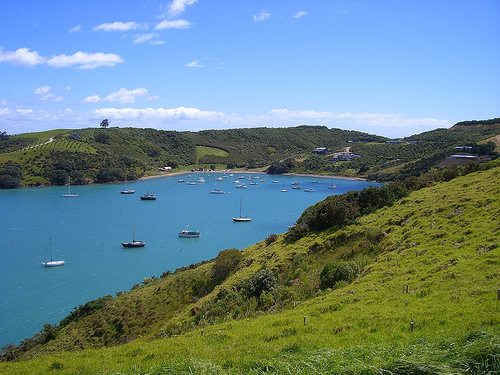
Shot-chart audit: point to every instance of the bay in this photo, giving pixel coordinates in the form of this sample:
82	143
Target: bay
87	232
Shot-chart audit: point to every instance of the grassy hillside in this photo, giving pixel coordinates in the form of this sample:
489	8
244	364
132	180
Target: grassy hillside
421	152
410	288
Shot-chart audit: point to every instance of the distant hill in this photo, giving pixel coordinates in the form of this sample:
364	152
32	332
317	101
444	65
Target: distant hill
119	154
404	282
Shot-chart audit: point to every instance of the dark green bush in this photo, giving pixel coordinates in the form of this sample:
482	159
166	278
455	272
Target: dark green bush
10	176
273	237
263	281
338	271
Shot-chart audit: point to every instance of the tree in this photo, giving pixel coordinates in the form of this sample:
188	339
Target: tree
334	272
59	177
11	176
104	123
102	138
263	281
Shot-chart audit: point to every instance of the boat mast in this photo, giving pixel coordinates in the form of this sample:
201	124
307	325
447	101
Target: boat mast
133	228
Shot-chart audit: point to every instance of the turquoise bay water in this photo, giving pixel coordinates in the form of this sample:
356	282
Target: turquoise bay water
87	232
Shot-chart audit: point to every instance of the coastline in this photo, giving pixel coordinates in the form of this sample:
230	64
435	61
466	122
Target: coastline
180	173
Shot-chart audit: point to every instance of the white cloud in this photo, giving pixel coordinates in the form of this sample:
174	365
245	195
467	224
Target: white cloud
193	119
91	99
83	60
195	64
262	16
126	96
75	29
24	112
45	94
42	90
119	26
156	42
165	114
146	38
300	14
387	124
22	57
177	7
176	24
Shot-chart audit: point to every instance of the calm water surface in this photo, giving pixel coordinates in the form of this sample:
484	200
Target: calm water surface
87	231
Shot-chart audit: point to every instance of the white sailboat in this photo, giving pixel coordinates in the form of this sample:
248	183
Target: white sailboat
284	190
52	262
241	218
69	194
332	186
127	190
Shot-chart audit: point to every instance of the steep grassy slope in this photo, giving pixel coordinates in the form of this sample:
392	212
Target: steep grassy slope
425	301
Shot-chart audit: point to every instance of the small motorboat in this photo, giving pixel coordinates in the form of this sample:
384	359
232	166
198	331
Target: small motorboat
189	233
148	197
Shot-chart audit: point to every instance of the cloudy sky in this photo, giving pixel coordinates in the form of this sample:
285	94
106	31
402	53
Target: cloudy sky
387	67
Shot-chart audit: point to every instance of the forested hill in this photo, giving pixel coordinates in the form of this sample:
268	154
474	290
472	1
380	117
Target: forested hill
261	146
102	155
118	154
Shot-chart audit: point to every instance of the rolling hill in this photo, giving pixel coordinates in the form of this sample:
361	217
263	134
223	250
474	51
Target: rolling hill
119	154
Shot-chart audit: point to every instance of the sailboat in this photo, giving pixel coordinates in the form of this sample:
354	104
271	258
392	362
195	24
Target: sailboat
52	262
217	191
241	218
134	243
284	190
127	190
69	194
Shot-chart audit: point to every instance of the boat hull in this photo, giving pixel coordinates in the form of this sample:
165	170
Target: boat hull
189	234
241	219
53	263
134	244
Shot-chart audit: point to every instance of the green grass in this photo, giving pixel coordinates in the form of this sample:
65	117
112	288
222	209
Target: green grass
432	259
42	146
202	151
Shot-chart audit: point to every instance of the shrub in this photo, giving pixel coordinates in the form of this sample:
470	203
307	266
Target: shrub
338	271
225	263
10	176
84	310
273	237
263	281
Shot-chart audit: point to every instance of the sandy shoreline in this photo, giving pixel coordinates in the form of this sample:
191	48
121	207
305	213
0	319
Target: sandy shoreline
181	173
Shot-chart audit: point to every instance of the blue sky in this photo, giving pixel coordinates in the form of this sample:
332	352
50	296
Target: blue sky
392	68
